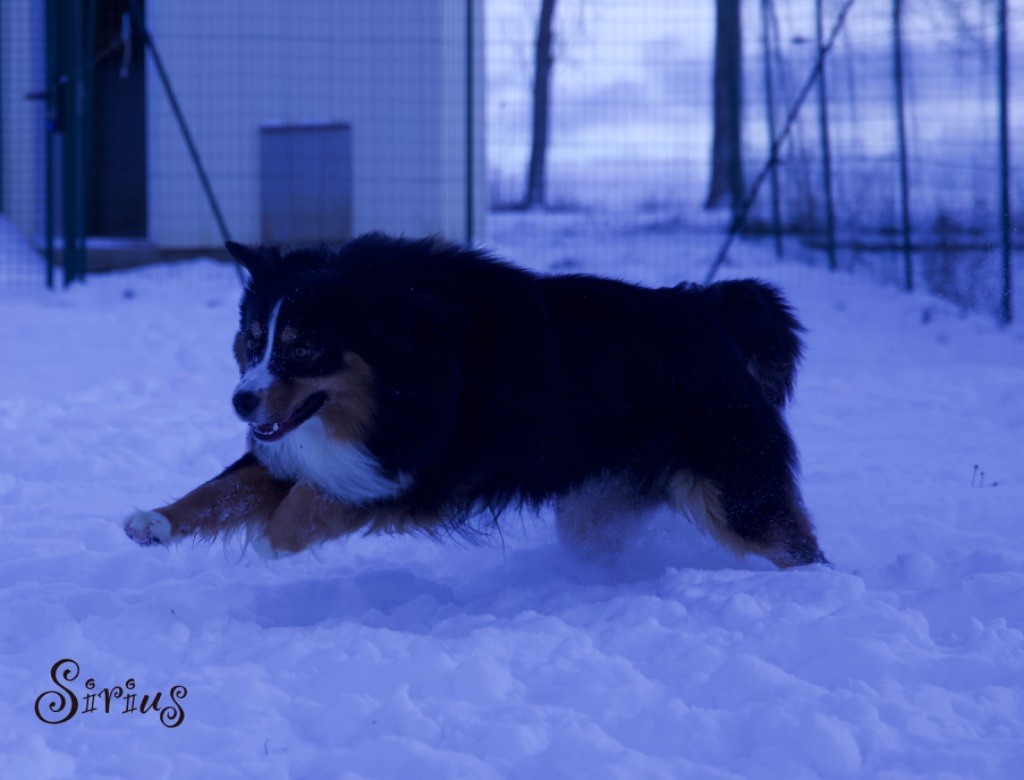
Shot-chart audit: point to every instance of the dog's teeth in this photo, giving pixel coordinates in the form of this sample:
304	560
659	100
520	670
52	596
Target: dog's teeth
274	429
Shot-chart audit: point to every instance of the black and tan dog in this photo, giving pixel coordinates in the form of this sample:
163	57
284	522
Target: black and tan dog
401	385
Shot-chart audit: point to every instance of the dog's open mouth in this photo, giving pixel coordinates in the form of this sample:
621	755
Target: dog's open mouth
274	431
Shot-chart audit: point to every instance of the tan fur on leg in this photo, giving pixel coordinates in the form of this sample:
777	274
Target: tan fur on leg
597	519
248	494
307	516
701	499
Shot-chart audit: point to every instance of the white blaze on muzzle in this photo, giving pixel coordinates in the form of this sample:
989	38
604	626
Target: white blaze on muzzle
258	378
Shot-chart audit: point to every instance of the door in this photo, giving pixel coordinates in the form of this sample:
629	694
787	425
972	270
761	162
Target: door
116	139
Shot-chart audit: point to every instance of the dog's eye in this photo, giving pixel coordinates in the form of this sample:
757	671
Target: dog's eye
301	353
250	344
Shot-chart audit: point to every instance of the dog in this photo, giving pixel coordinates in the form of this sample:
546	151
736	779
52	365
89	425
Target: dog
400	385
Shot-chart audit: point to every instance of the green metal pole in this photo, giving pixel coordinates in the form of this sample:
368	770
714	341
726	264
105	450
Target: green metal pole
769	97
52	107
85	134
1	115
901	133
470	138
1006	305
70	34
826	151
794	112
139	20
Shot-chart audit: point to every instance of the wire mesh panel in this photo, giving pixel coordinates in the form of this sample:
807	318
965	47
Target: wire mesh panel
152	130
131	128
944	61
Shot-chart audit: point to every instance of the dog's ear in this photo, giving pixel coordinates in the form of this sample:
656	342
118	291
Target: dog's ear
255	260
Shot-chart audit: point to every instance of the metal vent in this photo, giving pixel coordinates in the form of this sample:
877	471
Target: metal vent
306	183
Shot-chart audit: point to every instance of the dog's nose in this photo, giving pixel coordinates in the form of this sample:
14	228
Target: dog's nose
245	403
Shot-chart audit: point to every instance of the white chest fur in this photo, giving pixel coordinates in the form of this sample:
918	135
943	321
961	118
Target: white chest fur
345	470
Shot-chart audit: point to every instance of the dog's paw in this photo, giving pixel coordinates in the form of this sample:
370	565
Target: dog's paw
262	547
147	528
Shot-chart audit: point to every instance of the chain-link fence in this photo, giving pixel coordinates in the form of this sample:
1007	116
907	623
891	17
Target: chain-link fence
145	130
913	140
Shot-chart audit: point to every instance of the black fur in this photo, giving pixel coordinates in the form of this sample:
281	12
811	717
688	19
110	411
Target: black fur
496	385
760	321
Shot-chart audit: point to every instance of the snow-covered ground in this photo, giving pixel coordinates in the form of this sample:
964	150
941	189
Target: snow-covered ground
397	657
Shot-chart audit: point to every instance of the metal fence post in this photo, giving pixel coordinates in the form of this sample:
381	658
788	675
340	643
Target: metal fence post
85	132
826	154
1006	304
787	126
901	132
769	96
470	118
139	19
52	110
1	118
73	96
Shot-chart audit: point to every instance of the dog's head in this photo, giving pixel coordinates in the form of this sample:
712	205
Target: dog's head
296	357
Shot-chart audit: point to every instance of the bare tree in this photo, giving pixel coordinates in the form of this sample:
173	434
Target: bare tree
727	149
543	60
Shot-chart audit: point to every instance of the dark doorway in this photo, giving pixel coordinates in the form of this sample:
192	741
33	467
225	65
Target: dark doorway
116	140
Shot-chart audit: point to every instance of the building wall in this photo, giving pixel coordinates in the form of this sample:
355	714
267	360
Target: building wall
23	70
393	69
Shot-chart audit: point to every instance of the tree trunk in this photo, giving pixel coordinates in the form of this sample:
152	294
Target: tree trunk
541	103
727	150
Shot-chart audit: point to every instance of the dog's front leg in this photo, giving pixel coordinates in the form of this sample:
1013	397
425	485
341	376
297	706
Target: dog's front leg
244	493
307	516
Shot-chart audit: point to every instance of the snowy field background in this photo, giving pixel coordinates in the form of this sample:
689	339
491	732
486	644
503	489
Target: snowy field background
388	657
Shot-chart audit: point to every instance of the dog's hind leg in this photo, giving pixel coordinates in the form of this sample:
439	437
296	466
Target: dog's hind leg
746	520
308	516
595	520
742	487
244	493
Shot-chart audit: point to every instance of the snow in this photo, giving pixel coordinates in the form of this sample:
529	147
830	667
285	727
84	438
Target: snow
393	656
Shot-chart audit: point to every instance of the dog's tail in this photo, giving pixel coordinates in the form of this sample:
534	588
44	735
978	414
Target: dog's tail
761	322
